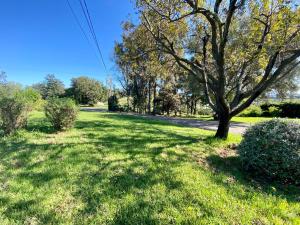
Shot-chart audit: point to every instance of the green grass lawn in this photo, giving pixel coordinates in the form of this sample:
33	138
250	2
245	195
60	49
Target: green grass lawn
251	120
113	169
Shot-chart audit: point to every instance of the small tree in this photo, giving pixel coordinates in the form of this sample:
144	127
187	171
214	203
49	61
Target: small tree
61	112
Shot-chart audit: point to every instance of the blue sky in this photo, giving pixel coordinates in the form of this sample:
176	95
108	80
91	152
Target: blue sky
40	37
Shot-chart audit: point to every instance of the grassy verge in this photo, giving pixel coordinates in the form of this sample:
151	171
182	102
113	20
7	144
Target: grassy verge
113	169
251	120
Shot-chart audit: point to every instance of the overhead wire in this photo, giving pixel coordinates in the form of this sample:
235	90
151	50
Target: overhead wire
89	21
77	21
81	28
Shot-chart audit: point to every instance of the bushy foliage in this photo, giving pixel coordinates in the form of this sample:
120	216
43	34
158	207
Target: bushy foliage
167	102
15	105
252	111
61	112
88	91
267	108
113	103
205	110
290	109
274	111
272	148
281	109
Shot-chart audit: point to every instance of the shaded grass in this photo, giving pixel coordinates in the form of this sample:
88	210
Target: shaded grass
113	169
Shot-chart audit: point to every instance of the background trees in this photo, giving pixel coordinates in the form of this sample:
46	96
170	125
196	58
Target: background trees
150	78
83	90
50	87
88	91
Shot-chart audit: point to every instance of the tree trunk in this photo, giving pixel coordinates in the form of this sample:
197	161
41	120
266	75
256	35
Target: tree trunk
187	108
149	97
223	128
154	99
195	107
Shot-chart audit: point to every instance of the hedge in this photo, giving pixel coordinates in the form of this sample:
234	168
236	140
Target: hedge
284	109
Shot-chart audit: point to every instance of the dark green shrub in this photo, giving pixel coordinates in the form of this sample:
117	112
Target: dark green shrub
15	105
290	110
274	111
266	111
284	109
61	112
272	148
113	103
252	111
265	106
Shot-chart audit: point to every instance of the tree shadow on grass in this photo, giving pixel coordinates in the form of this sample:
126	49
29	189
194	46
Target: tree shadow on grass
40	125
128	176
114	165
232	167
16	209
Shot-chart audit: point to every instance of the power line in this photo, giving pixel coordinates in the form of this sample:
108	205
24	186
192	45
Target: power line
79	24
87	16
97	42
95	36
77	21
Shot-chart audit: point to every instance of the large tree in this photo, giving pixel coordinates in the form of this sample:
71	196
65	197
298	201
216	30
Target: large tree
87	90
236	49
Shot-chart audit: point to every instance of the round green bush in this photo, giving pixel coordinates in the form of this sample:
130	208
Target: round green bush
61	112
15	105
272	148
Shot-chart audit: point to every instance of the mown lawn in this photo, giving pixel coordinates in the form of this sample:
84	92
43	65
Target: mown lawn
238	119
114	169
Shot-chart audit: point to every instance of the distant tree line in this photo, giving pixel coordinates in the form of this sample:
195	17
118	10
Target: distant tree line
83	90
60	104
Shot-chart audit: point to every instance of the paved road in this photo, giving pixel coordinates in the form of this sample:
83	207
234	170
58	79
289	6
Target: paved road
236	128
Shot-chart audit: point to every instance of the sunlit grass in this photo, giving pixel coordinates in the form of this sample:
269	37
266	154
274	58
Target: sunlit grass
113	169
251	120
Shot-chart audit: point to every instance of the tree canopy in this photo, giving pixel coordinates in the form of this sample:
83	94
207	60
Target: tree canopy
87	90
236	50
50	87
